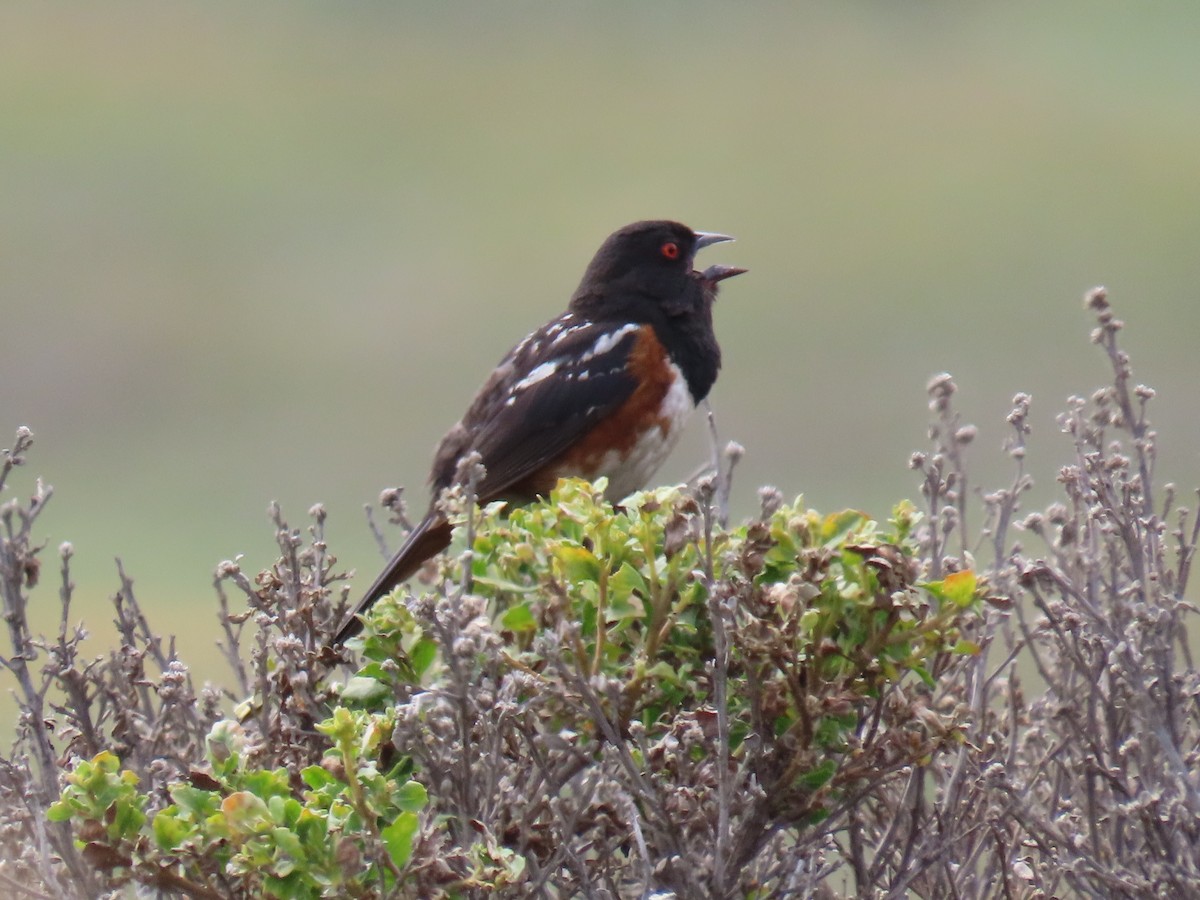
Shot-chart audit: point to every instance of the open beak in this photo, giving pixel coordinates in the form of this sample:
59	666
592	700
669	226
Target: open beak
713	274
719	273
705	238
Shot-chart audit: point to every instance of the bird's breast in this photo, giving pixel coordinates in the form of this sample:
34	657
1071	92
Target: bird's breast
630	444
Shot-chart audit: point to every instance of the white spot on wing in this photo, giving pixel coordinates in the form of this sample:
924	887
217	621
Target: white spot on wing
541	373
608	340
520	348
566	333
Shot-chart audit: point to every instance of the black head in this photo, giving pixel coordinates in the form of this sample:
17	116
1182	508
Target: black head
646	271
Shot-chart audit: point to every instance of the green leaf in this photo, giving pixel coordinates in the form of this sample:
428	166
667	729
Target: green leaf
816	816
422	655
277	807
283	869
626	581
169	831
497	583
287	841
663	672
957	588
375	670
106	761
627	607
836	527
518	618
924	675
578	563
244	813
60	811
317	777
820	776
412	796
268	783
398	838
960	588
365	690
196	801
832	729
127	820
401	770
244	710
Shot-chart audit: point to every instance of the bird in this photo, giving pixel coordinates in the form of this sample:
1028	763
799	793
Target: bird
604	389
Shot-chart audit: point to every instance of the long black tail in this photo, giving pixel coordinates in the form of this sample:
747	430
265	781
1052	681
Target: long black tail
432	535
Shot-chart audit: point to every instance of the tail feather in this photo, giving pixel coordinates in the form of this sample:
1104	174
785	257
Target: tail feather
431	536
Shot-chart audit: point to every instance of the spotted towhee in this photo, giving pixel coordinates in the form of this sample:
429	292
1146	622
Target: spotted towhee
604	389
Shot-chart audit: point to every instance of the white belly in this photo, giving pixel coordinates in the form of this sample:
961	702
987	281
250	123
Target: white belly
651	447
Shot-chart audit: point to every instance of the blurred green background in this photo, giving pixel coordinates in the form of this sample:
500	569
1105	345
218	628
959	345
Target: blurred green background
268	251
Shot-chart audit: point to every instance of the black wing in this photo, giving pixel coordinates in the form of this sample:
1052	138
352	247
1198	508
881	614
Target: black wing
548	393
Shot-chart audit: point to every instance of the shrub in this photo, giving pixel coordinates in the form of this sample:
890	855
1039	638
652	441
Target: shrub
637	701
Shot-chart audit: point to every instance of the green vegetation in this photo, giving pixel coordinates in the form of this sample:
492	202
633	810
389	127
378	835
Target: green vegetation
649	652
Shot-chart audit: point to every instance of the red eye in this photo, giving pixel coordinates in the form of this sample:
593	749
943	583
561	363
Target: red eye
670	250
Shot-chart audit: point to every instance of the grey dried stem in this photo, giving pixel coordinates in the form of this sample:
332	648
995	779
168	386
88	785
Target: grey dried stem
138	700
293	607
720	468
1088	789
719	612
29	789
451	628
